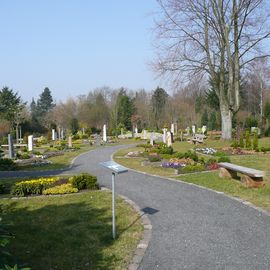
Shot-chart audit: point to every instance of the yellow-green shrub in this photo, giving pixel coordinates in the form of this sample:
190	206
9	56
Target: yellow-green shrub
62	189
30	187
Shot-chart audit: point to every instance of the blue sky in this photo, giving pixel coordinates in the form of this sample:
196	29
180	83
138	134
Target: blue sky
73	46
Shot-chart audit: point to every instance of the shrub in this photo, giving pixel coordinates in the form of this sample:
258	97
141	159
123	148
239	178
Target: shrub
224	159
2	188
7	164
164	149
30	187
189	154
211	161
23	156
192	168
154	158
61	189
241	141
220	154
84	181
235	144
213	166
255	141
248	141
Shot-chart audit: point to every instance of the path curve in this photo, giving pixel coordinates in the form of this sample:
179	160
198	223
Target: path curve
193	228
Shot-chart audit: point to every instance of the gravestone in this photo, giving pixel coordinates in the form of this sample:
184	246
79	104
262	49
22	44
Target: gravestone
10	147
122	132
59	133
70	142
204	128
152	139
175	129
53	135
193	130
144	134
83	131
104	134
30	143
164	137
169	139
188	130
62	134
172	129
136	130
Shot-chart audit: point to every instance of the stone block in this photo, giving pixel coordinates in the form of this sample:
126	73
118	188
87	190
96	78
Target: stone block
250	182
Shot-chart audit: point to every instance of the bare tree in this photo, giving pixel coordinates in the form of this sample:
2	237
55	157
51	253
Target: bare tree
215	37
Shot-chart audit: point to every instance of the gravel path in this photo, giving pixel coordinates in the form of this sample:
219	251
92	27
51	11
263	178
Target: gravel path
193	228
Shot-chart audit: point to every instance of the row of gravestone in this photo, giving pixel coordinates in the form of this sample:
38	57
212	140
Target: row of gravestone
30	145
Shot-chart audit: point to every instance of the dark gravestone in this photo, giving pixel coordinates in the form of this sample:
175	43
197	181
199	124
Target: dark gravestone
10	146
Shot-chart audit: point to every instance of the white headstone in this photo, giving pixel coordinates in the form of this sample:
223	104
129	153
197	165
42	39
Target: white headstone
188	130
59	133
164	137
204	128
136	130
30	143
144	134
53	135
83	130
172	129
169	139
152	139
122	132
62	134
70	142
104	133
193	130
175	128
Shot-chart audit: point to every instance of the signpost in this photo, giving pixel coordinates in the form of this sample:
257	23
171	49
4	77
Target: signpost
116	169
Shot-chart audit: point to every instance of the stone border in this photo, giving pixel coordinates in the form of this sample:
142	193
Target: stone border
144	242
247	203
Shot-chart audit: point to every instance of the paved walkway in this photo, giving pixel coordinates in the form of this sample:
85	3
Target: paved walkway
193	228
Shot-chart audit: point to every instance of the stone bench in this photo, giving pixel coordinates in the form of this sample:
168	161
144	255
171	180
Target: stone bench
250	177
198	138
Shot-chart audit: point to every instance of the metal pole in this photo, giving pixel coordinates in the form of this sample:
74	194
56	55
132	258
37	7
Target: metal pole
113	206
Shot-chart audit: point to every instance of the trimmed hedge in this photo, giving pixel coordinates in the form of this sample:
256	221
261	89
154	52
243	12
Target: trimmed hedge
31	187
62	189
84	181
7	164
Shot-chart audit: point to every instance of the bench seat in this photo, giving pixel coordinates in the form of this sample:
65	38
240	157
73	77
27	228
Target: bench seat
250	178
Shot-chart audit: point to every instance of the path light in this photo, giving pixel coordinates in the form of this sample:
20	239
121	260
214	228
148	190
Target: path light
116	169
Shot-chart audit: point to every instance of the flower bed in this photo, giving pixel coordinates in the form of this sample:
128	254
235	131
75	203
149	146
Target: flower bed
207	151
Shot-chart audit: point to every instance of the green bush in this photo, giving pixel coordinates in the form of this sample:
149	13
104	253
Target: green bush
84	181
248	141
2	188
31	187
192	168
189	154
154	158
7	164
62	189
241	141
220	154
255	141
265	149
235	144
224	159
211	161
164	149
23	156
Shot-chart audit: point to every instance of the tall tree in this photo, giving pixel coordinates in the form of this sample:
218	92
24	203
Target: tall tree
125	109
11	105
218	37
158	102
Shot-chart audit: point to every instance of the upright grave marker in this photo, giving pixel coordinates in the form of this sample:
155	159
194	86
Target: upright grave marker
53	135
30	143
69	142
169	139
104	133
164	137
172	128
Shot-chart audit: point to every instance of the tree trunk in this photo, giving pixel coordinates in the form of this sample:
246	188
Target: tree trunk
226	123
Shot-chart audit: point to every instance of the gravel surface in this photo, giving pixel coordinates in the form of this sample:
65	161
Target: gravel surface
193	228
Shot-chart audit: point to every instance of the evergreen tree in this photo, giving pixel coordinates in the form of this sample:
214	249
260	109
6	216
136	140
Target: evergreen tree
212	124
44	103
204	119
11	105
159	100
124	108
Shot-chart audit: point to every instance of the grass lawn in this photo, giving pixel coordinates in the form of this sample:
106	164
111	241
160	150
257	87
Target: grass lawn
259	197
59	162
71	231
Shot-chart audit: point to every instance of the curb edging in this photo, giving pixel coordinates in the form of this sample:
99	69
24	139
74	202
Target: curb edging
147	233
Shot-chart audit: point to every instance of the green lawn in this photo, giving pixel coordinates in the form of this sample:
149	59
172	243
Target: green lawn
71	231
60	162
260	197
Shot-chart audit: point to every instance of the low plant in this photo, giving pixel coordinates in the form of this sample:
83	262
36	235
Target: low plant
154	158
189	154
84	181
60	189
164	149
2	188
255	141
31	187
224	159
192	168
211	161
7	164
213	166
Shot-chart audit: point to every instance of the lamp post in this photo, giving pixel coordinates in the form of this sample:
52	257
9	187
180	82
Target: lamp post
116	169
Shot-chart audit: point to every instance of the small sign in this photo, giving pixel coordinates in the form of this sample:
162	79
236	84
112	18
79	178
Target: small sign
117	168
